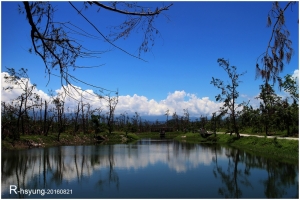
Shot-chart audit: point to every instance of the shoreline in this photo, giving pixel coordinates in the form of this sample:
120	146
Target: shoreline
281	148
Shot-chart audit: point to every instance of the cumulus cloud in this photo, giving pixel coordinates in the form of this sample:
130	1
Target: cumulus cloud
174	102
296	74
9	95
75	95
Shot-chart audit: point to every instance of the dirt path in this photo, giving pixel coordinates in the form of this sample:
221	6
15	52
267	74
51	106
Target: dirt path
246	135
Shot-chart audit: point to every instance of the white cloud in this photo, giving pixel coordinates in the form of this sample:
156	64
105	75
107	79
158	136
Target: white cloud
296	74
179	100
9	95
175	102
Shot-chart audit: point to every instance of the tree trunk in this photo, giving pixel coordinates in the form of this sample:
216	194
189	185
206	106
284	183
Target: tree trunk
45	120
83	120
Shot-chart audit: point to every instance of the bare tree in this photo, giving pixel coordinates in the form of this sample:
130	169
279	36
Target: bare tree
59	102
8	120
56	44
47	119
24	102
136	120
229	93
111	105
167	114
76	126
83	117
176	120
186	119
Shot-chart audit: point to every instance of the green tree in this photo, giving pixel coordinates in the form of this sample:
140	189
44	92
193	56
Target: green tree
95	119
291	86
287	116
267	106
229	94
251	118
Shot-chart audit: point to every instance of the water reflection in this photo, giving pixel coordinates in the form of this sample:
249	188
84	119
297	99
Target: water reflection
232	176
111	168
242	169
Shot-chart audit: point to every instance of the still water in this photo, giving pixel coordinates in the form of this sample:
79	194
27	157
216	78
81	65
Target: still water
146	169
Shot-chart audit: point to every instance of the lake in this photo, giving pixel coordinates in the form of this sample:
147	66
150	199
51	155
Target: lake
145	169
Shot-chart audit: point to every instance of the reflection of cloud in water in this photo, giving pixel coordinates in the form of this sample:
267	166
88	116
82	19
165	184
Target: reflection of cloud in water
179	160
76	162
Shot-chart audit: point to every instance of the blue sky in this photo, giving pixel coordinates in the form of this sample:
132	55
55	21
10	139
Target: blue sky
181	64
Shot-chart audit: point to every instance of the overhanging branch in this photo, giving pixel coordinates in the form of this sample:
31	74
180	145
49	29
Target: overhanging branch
143	13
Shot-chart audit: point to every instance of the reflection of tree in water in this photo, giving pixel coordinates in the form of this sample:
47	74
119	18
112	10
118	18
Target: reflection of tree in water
94	156
280	175
16	165
233	176
46	165
185	148
113	177
76	165
49	167
57	176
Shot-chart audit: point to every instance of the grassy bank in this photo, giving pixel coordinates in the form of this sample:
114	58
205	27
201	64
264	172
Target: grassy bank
280	149
65	139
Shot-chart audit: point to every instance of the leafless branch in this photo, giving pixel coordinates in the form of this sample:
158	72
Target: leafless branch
140	13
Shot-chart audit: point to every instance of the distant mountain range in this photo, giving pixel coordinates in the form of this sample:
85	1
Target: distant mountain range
150	118
162	118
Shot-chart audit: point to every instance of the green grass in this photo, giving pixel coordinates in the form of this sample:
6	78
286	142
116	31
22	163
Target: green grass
132	136
280	149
